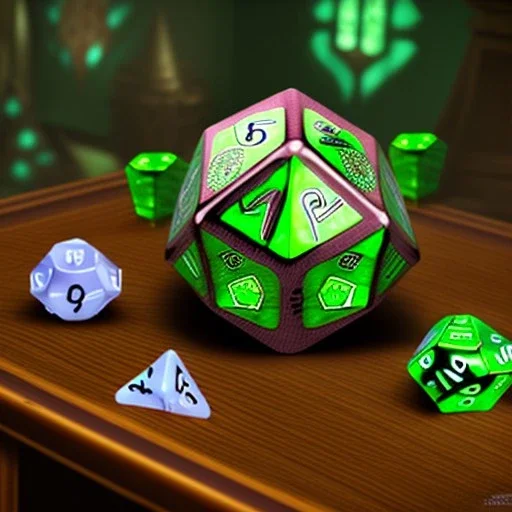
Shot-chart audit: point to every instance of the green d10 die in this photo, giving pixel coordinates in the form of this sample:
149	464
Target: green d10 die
155	180
463	364
417	160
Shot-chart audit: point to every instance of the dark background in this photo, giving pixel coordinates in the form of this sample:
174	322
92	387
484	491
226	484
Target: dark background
247	50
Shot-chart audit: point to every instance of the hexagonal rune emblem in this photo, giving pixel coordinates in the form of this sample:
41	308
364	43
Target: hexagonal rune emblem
290	223
336	293
246	293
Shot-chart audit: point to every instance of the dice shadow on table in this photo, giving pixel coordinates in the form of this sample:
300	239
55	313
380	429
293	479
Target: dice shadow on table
391	323
34	311
416	399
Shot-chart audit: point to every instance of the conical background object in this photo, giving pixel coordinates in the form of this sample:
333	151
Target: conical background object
154	108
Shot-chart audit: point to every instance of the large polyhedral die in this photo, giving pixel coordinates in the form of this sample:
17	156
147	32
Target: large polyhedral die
289	223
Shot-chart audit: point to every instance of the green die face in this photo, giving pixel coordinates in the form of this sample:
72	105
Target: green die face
463	365
417	160
241	286
154	180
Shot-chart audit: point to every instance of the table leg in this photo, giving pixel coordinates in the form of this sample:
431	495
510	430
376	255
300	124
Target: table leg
8	474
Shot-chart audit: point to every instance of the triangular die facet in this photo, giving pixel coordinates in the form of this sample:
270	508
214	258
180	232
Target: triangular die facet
168	386
312	214
238	148
255	214
144	390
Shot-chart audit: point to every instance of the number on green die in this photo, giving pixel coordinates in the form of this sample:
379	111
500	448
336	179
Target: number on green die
463	365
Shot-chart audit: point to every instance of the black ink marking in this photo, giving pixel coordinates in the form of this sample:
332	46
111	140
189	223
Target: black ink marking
77	301
141	388
297	301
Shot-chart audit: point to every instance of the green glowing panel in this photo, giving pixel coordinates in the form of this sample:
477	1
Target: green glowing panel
93	55
12	107
189	194
255	214
242	286
347	25
392	197
154	180
405	15
463	364
393	266
373	29
323	51
343	150
312	213
417	160
27	139
341	286
323	11
190	268
401	51
21	170
237	149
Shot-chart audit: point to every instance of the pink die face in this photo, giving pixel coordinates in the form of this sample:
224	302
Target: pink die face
289	223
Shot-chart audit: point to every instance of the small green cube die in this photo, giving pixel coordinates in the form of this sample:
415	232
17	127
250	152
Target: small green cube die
463	364
155	180
417	160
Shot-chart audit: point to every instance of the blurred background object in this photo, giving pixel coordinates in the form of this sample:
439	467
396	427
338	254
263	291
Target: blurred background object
477	120
153	107
111	78
29	158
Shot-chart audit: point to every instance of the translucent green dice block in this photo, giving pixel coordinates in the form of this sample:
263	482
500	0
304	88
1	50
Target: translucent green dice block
417	160
155	180
463	365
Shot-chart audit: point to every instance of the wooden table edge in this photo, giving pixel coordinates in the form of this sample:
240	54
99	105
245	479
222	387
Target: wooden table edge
60	430
30	402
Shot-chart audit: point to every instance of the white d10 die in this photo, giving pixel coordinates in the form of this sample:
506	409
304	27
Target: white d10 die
75	281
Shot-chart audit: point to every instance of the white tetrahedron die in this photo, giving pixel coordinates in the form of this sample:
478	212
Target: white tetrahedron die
168	386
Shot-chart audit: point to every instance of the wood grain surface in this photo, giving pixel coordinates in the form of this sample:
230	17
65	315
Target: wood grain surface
9	471
338	427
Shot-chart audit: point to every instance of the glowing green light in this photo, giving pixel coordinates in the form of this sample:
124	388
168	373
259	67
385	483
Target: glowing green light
417	160
347	25
405	15
53	13
414	141
154	180
12	107
117	16
65	57
249	290
341	286
323	11
27	139
45	158
153	162
94	55
20	170
401	52
373	30
344	76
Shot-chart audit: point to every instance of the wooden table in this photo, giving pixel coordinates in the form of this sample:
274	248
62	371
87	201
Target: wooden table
339	427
